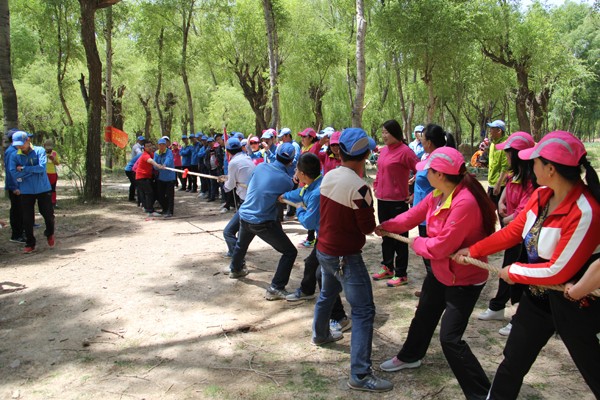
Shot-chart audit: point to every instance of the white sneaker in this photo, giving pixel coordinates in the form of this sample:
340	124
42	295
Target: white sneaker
224	210
394	364
489	315
506	330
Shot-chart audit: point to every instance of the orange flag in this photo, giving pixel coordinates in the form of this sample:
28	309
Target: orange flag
115	136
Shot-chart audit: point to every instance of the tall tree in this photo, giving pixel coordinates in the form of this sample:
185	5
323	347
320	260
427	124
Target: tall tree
93	168
9	95
361	32
108	92
187	11
273	44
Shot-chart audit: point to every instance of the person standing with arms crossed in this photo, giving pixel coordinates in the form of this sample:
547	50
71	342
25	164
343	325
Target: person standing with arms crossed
498	162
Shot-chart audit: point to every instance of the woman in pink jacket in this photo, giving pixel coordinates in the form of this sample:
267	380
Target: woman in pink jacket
396	162
519	187
458	212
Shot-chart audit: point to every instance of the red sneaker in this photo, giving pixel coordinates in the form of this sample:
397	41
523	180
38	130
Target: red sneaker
384	273
397	281
28	249
51	241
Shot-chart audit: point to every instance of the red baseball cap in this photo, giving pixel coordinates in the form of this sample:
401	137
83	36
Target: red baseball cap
560	147
308	132
443	159
517	141
335	138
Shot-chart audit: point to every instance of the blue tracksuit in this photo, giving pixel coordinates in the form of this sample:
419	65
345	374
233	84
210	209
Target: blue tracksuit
32	179
165	159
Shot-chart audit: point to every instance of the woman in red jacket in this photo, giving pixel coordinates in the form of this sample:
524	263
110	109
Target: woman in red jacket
396	162
560	229
458	212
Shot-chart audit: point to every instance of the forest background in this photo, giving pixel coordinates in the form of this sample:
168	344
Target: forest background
172	67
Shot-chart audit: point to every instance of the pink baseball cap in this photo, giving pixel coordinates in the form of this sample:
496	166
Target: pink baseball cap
559	146
308	132
443	159
517	141
335	138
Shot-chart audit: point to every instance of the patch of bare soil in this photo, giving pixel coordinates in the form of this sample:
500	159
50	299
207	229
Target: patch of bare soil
126	307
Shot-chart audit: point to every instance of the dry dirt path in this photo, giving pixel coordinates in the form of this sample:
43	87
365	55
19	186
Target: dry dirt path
130	308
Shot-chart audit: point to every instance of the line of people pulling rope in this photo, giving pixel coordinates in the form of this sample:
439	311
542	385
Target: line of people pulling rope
550	218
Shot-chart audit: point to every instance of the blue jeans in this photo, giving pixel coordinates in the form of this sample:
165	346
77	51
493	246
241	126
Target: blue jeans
272	233
355	281
230	232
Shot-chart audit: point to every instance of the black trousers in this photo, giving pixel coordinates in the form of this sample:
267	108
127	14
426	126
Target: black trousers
184	182
456	303
535	322
505	291
495	199
394	253
204	182
45	207
192	182
166	195
423	233
145	186
312	276
180	178
132	185
16	215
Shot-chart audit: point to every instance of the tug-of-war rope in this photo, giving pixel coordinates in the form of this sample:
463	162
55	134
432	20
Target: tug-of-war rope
486	266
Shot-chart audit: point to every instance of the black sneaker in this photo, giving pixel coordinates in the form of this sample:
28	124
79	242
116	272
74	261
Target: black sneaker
238	274
370	383
18	240
276	294
334	336
299	295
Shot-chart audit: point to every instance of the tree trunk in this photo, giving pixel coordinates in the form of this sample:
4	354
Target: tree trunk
9	95
161	38
522	98
108	161
148	123
361	31
61	65
187	19
255	90
405	123
93	170
273	43
316	95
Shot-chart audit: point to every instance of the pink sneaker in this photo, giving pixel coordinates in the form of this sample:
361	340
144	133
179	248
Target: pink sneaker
384	273
51	241
397	281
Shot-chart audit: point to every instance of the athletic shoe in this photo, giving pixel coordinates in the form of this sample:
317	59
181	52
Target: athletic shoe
506	330
167	215
224	210
29	249
51	241
157	214
238	274
393	364
342	325
18	240
306	244
397	281
384	273
276	294
226	255
417	293
299	295
334	336
370	383
489	315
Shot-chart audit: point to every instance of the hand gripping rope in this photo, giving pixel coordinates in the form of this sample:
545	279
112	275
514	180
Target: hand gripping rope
486	266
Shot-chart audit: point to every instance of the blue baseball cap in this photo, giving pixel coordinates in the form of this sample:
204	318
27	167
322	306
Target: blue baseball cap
238	135
233	144
184	137
354	141
210	139
497	124
286	151
203	137
283	132
29	135
372	144
19	138
141	138
162	141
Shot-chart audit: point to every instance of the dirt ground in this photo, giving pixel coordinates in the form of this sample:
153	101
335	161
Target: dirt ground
130	308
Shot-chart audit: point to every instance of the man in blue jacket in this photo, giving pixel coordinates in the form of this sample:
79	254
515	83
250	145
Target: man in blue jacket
163	157
258	217
28	166
186	159
10	185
